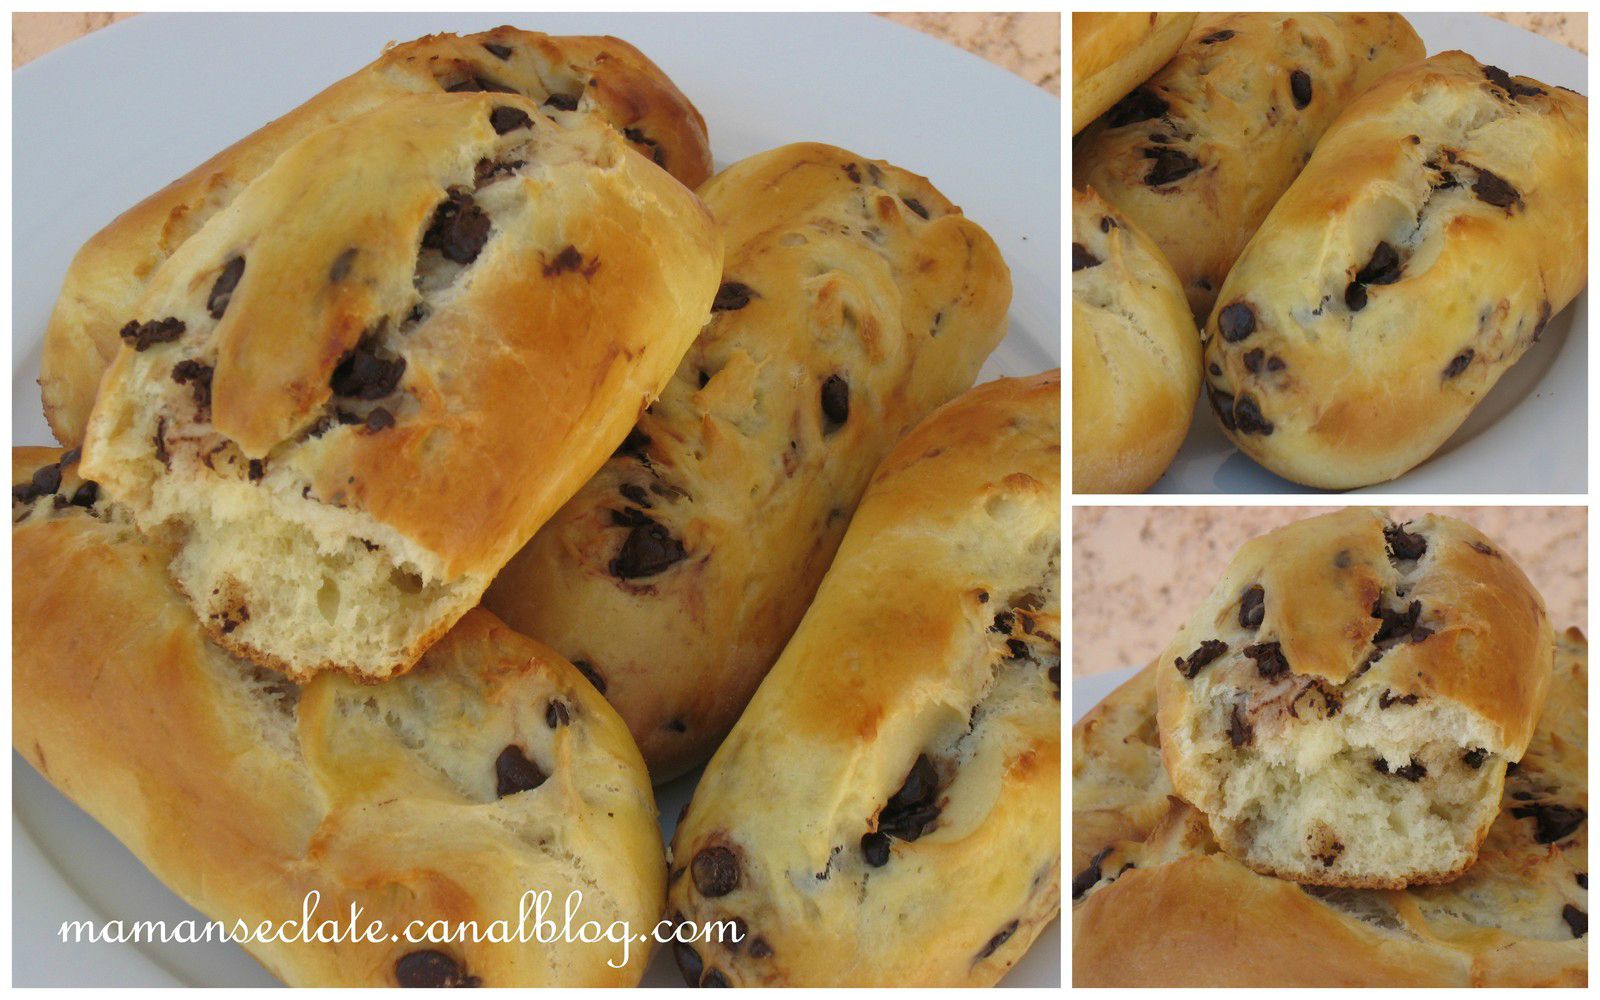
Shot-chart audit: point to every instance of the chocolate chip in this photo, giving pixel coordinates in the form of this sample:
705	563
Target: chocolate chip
1252	360
1240	732
1221	405
257	469
556	715
86	494
1107	223
505	119
1381	766
1204	653
1386	698
732	296
1491	189
1552	822
362	374
514	772
594	676
142	336
501	52
1384	267
1459	363
222	291
760	949
1399	625
46	480
1000	938
1355	297
1275	364
1140	105
853	172
1170	165
1236	321
1500	78
649	549
1582	878
1403	544
1474	758
1413	771
562	102
1481	548
459	228
713	978
198	377
913	809
1270	661
432	969
1300	89
915	206
1214	368
715	871
1086	879
379	419
636	493
635	136
1247	417
1576	919
1082	259
689	964
1217	36
161	443
569	259
835	401
875	848
1252	606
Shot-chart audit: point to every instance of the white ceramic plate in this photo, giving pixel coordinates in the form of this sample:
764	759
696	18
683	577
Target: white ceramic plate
110	118
1528	435
1087	692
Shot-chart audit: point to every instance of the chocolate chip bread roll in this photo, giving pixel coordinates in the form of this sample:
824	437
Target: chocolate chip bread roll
887	811
601	78
355	393
1440	224
1157	903
1114	52
1199	154
855	299
1346	703
1135	354
491	770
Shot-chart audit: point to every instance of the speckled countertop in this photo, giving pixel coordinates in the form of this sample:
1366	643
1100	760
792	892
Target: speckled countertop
1138	572
1028	45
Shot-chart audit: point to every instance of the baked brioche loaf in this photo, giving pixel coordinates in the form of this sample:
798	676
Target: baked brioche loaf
1344	705
601	78
855	299
1164	906
1440	224
887	810
348	435
1199	153
1114	52
491	770
1135	354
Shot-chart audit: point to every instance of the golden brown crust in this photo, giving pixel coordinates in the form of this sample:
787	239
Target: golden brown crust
612	80
841	272
933	636
1164	907
1227	103
1135	353
524	365
1447	191
242	792
1112	53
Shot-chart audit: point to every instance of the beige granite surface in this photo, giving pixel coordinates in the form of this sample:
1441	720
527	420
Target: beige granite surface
1569	28
1138	572
1028	45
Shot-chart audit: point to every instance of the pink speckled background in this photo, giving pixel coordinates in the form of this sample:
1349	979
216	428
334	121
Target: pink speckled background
1138	572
